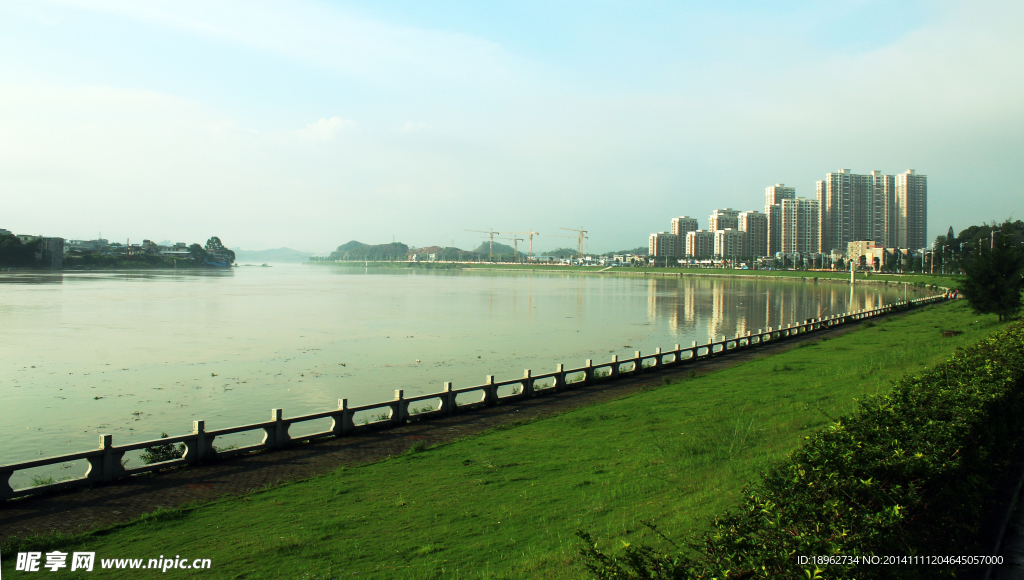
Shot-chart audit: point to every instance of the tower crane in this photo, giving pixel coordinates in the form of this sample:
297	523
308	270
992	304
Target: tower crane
583	236
530	233
490	232
515	246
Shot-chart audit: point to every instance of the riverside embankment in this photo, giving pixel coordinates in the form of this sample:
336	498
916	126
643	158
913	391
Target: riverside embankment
506	503
915	279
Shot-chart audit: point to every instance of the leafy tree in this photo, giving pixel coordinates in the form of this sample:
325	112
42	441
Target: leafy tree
214	246
165	452
995	279
15	253
198	253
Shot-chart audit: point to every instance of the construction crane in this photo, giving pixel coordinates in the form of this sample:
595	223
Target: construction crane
490	232
530	233
583	236
515	246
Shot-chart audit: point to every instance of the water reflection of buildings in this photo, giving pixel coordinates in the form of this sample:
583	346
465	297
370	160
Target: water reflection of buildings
706	307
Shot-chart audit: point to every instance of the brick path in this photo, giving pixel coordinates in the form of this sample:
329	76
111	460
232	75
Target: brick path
124	500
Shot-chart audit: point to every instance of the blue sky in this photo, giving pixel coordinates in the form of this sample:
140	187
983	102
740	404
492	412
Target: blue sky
307	124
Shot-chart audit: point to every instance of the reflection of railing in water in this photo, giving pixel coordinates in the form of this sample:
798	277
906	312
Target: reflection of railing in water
105	463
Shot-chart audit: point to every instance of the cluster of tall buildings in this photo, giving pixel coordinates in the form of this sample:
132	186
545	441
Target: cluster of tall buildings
885	210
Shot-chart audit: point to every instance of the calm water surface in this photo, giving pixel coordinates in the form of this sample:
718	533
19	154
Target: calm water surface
138	353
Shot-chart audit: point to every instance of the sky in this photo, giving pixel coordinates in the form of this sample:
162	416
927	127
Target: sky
307	124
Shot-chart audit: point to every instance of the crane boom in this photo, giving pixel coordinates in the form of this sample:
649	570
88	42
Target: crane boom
490	232
583	236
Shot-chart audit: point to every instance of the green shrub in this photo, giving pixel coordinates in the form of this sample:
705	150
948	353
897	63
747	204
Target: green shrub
906	474
161	453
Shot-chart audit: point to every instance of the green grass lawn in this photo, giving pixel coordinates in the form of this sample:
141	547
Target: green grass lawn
506	504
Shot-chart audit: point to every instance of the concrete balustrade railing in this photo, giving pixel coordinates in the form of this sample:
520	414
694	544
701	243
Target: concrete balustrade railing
106	463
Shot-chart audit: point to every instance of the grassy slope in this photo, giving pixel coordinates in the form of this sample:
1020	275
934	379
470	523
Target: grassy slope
506	504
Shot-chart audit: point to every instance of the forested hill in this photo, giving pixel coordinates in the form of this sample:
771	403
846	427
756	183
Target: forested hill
359	251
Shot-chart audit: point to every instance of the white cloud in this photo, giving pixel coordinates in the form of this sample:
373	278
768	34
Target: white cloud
324	129
322	35
412	127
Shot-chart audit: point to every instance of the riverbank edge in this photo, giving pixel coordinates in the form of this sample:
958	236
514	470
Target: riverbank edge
919	280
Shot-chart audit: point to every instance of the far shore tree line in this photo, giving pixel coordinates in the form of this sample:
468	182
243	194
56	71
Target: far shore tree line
16	254
355	251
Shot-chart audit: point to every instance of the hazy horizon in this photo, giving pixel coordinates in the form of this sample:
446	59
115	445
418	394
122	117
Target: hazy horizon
311	123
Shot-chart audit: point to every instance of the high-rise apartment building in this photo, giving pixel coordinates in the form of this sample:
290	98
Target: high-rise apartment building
911	209
721	219
856	208
773	196
680	226
700	244
800	226
755	224
661	245
730	243
881	227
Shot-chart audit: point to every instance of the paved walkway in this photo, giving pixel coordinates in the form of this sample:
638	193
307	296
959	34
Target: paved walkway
124	500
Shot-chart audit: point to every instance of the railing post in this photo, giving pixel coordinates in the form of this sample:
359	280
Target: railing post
657	358
276	435
560	377
401	406
199	449
678	355
111	461
490	392
614	370
638	366
448	400
693	351
342	420
5	482
588	372
527	382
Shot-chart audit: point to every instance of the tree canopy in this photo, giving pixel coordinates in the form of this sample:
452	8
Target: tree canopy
995	276
14	253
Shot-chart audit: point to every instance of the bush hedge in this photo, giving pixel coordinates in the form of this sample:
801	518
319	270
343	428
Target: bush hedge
906	475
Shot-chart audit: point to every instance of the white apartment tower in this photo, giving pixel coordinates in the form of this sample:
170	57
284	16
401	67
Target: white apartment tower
661	245
856	208
680	227
911	210
721	219
800	226
881	216
700	244
773	196
755	224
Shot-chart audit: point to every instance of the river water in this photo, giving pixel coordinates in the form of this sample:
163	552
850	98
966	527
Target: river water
139	353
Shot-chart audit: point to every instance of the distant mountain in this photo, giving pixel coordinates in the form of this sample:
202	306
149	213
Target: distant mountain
560	253
359	251
499	249
278	255
641	251
353	245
